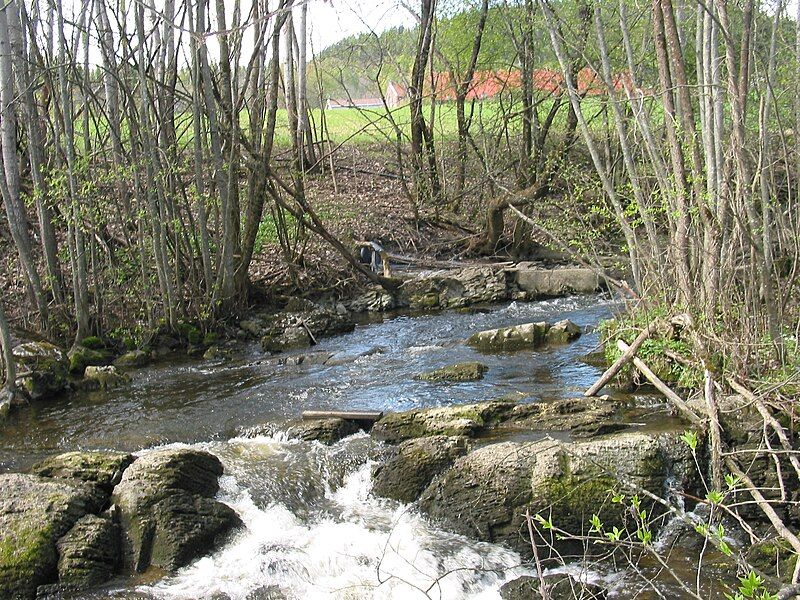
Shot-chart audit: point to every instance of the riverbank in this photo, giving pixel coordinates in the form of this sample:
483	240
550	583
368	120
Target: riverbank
45	371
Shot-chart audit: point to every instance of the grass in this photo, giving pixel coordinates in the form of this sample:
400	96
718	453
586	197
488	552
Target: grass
369	126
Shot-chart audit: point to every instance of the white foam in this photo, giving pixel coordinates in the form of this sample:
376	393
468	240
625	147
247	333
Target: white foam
362	548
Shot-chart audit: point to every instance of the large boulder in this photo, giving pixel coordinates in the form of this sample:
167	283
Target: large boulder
167	509
103	469
34	513
486	493
411	466
517	337
41	369
468	371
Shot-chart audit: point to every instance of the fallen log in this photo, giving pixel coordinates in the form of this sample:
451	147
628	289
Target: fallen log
662	387
368	416
624	359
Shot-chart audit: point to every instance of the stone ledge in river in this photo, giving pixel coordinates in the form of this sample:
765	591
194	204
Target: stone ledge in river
167	511
34	513
101	468
468	371
456	420
41	369
327	431
503	413
537	282
486	493
560	586
411	466
525	336
455	289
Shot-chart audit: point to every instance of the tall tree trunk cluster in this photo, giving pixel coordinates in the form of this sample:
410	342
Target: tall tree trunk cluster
708	198
121	126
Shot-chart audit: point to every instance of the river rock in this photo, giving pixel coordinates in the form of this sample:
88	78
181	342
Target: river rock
486	493
251	327
468	371
103	469
411	466
41	368
167	509
517	337
34	513
81	357
456	420
290	338
562	332
133	359
327	431
373	299
105	377
559	586
88	554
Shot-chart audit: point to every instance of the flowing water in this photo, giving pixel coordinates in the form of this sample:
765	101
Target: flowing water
313	530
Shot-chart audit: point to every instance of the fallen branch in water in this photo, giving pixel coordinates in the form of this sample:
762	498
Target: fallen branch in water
662	387
624	359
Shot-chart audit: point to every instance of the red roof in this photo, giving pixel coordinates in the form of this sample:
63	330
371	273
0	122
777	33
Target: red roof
488	84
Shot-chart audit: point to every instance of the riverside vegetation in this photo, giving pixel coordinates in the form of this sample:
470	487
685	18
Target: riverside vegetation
164	194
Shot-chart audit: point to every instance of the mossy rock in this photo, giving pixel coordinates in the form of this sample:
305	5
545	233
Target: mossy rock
487	493
456	420
774	557
424	301
133	359
412	465
81	357
103	468
105	377
43	368
34	513
92	342
469	371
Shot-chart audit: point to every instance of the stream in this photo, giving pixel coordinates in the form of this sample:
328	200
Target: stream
313	529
